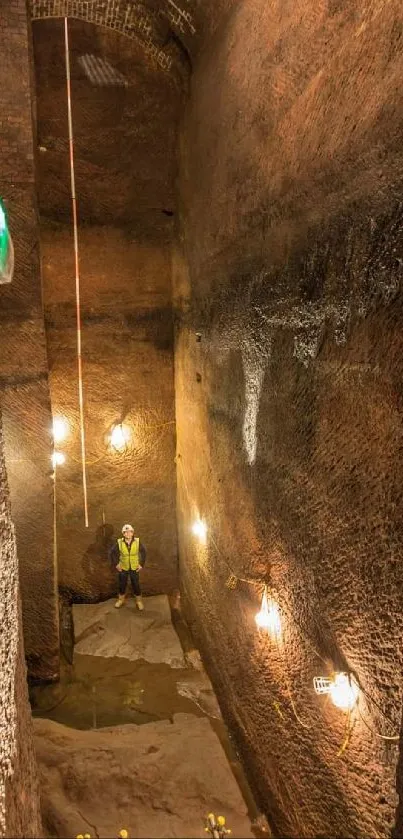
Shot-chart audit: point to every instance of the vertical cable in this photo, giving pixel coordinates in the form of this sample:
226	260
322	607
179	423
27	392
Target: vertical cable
55	556
77	272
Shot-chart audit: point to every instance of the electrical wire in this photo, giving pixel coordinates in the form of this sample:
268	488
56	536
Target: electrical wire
262	583
252	581
288	686
77	271
347	734
394	737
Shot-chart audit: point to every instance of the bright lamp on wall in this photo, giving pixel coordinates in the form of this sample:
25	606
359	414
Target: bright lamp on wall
60	428
343	689
199	529
120	437
269	616
58	458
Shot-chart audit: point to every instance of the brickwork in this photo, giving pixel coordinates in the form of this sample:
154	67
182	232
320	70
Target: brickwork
23	367
132	19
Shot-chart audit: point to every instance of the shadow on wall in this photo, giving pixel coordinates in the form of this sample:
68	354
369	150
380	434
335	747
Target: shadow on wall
97	572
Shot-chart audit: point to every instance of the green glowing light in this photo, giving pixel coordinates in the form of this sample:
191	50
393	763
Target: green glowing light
6	246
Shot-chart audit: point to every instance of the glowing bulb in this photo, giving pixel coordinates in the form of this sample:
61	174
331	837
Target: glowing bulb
58	458
344	691
3	222
269	616
60	429
200	530
120	437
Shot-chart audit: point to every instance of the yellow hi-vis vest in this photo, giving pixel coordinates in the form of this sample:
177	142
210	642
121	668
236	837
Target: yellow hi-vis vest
129	557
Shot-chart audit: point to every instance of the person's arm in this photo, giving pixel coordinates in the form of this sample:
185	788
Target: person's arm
143	555
114	555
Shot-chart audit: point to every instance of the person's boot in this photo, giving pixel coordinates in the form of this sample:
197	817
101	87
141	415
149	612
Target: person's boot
139	604
120	601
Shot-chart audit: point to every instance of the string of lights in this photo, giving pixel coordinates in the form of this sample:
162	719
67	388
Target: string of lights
342	688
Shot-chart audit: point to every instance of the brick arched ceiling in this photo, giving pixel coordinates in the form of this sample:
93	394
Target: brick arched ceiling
163	26
129	59
125	110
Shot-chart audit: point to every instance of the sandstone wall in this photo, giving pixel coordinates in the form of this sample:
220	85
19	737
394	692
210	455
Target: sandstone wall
19	795
124	141
289	400
128	376
23	362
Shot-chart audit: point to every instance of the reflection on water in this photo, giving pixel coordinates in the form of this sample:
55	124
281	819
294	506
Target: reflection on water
95	692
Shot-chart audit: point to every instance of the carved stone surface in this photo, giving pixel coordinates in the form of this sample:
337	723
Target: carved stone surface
159	779
288	376
105	631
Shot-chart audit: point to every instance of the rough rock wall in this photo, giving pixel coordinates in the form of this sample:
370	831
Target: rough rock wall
23	363
124	140
19	794
289	400
22	794
128	376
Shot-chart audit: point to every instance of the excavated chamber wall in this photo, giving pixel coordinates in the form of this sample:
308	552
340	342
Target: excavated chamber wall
128	375
24	390
289	400
124	138
19	793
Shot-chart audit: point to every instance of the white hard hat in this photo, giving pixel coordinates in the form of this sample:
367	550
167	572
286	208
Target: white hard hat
127	527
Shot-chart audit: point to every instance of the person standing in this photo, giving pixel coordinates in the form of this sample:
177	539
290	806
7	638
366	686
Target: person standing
128	555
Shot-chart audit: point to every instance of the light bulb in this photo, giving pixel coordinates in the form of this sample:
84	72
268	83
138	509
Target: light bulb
58	458
344	691
342	688
60	429
120	437
200	530
269	616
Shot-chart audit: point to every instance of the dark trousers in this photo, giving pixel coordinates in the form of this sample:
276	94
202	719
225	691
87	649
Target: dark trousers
134	578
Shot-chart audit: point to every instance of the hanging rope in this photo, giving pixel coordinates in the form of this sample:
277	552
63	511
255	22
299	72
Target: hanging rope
77	272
